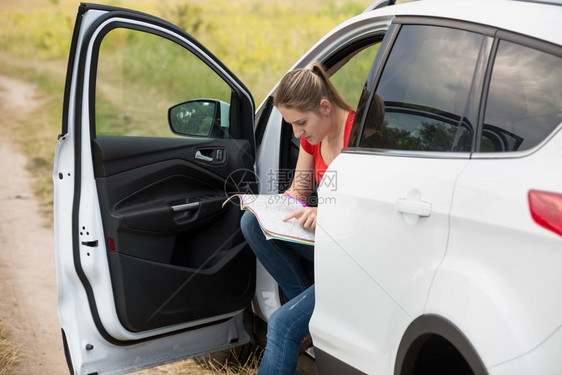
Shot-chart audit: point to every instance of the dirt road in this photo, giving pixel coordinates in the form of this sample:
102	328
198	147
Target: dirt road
27	263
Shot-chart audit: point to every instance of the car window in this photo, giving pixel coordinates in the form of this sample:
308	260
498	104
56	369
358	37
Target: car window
351	77
140	76
421	99
524	102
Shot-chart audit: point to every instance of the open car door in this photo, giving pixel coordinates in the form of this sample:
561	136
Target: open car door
150	267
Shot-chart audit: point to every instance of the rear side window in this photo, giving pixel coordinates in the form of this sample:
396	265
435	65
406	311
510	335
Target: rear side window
524	102
421	100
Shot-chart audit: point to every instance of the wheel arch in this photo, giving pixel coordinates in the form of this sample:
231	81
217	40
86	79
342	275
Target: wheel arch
427	330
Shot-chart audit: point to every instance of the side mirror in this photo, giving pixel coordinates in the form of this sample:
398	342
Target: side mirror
200	118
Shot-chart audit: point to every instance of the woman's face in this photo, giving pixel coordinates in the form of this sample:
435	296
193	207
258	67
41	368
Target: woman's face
309	125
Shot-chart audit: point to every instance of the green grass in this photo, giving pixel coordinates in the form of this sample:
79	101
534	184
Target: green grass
257	39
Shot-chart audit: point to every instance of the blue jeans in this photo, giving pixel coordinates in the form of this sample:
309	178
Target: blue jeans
288	325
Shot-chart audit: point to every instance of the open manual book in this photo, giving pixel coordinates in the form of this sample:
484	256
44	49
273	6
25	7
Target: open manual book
270	211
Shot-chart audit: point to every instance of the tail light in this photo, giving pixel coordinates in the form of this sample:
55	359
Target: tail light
546	209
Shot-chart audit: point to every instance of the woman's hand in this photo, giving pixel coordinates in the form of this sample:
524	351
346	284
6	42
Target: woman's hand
306	217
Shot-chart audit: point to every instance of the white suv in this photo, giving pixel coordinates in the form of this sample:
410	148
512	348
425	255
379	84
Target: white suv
439	237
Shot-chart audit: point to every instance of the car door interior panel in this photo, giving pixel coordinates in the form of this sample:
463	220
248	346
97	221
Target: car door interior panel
171	243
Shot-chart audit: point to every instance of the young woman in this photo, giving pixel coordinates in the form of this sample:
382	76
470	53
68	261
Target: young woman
322	120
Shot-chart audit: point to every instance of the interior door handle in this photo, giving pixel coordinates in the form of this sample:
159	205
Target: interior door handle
419	208
185	207
200	156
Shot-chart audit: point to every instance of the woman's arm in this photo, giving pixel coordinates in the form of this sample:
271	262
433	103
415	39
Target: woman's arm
303	179
301	188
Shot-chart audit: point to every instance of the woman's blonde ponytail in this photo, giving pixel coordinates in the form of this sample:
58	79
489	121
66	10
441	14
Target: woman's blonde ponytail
303	89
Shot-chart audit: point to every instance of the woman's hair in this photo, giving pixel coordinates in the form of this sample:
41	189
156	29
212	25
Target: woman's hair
303	89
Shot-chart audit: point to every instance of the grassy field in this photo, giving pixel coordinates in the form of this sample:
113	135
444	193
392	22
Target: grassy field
258	40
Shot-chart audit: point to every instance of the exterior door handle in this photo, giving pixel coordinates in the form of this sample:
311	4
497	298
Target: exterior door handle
419	208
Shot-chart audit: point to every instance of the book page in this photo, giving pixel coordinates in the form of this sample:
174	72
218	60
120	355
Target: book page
270	211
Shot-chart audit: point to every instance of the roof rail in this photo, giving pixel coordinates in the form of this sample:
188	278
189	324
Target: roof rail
548	2
379	4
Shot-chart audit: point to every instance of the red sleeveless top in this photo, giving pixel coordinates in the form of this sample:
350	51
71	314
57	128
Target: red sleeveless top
314	150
